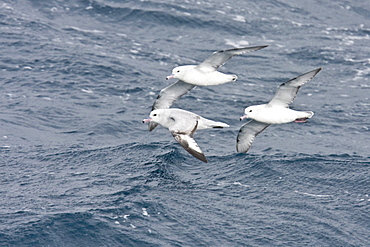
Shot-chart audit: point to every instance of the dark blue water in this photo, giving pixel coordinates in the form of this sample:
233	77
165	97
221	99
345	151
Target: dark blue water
78	168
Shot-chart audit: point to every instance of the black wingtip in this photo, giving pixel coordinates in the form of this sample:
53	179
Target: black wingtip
151	126
249	49
316	70
256	48
203	158
199	156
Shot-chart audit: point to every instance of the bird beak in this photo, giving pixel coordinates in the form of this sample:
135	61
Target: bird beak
243	117
170	77
147	120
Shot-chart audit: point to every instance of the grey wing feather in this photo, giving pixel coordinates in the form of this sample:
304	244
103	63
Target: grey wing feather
247	134
219	58
188	143
152	125
168	96
286	92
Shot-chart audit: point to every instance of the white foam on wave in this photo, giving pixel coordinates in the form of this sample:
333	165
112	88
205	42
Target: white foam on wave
87	90
132	226
240	43
84	30
361	73
313	195
6	6
239	18
145	213
233	183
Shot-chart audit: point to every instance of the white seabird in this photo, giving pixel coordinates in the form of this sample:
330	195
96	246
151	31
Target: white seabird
206	74
182	125
275	112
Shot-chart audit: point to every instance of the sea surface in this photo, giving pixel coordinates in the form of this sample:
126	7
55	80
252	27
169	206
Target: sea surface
79	168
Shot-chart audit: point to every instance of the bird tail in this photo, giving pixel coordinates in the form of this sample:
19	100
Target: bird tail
205	123
214	124
304	116
309	114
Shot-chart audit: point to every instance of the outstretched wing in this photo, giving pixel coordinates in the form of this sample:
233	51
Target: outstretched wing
188	143
286	92
247	133
219	58
168	96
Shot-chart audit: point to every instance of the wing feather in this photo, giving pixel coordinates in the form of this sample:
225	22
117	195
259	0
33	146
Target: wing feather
219	58
286	92
168	96
188	143
247	134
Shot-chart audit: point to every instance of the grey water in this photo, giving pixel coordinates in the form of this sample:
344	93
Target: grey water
78	168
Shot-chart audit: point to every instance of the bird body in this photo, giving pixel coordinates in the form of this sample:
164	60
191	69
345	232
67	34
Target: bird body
182	125
277	111
195	75
268	114
206	74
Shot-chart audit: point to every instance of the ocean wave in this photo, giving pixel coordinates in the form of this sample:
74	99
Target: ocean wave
78	168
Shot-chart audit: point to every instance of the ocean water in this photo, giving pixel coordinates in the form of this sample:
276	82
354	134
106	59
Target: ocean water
78	168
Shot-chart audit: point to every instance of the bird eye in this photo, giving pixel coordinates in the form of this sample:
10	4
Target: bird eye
178	71
154	115
250	110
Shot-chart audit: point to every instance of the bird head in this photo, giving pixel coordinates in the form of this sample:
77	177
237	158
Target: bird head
249	112
178	72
